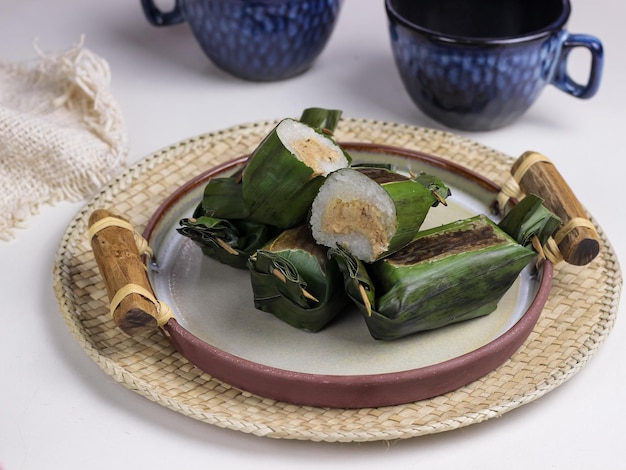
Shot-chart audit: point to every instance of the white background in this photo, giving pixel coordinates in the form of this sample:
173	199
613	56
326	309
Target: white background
59	410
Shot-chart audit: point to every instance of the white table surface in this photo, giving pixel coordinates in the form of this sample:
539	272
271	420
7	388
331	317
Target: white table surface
59	410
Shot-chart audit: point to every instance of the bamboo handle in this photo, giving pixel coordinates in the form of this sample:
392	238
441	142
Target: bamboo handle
577	238
119	261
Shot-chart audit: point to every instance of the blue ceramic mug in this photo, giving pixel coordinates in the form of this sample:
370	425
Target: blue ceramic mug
480	64
259	40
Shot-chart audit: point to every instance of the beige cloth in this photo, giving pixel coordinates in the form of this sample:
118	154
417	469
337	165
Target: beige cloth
62	133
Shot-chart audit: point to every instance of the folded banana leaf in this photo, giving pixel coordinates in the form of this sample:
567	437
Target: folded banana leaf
229	242
373	211
530	219
325	120
222	199
448	274
284	173
294	280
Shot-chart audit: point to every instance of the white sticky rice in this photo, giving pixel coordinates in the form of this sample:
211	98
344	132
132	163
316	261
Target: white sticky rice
371	222
315	150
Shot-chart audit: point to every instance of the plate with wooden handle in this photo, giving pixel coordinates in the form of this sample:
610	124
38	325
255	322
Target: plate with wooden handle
206	310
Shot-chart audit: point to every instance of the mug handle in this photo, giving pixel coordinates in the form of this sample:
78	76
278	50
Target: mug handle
563	81
159	18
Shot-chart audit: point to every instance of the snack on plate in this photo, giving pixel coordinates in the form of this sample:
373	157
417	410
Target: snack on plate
372	212
284	173
229	228
293	279
230	242
447	274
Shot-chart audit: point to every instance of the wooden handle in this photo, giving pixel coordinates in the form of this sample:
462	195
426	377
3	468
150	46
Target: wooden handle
120	265
577	238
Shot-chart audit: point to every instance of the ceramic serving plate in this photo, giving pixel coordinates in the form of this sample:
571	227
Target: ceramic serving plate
217	328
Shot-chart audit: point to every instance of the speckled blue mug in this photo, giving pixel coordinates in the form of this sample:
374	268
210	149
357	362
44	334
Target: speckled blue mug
259	40
480	64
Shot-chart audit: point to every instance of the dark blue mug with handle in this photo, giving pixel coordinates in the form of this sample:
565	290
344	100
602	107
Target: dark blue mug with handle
258	40
478	65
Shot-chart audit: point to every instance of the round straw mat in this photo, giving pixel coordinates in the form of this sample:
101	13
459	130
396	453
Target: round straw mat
578	316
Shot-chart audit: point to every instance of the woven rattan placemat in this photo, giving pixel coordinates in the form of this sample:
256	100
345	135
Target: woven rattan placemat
578	317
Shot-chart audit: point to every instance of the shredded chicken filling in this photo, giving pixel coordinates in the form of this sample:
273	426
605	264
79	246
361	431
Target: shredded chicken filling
314	154
352	216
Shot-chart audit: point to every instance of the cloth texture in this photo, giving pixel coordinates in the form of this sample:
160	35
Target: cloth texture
62	132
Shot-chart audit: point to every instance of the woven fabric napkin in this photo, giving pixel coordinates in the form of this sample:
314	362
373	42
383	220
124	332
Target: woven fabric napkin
62	132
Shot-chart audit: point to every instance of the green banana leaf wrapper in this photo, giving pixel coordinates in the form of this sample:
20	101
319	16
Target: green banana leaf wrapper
294	280
323	119
222	199
530	218
229	242
284	173
448	274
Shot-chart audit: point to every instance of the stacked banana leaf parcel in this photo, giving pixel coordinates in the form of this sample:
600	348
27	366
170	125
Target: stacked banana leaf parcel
319	232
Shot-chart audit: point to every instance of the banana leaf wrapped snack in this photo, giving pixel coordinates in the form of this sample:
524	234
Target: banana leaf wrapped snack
230	242
229	227
372	212
447	274
284	173
293	279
